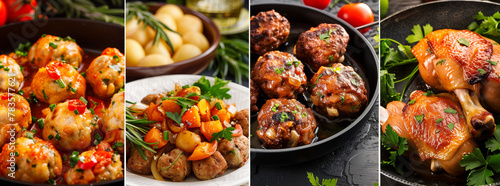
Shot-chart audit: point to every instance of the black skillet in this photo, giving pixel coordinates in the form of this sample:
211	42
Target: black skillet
441	14
91	36
359	54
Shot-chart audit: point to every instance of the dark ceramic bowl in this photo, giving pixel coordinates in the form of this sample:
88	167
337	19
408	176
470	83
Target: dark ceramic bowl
190	66
441	15
360	55
92	36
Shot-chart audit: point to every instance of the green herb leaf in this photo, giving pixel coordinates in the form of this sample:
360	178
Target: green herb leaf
224	133
215	91
391	140
481	71
411	102
439	120
441	62
52	107
324	182
450	110
492	62
419	118
464	42
451	126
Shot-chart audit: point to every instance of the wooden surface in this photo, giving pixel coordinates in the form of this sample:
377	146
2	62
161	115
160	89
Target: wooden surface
355	163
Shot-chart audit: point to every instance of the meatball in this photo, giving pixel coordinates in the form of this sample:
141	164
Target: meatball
322	45
57	82
22	116
35	160
210	167
279	75
153	98
68	129
174	165
53	48
338	91
136	163
235	152
113	117
268	30
106	73
254	95
242	117
97	166
285	123
10	69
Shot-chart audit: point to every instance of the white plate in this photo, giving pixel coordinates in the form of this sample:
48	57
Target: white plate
240	95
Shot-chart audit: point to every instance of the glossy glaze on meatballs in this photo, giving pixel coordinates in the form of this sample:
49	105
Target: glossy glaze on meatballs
95	166
36	160
67	129
268	30
279	75
10	69
113	117
285	123
254	95
322	45
53	48
57	82
338	91
174	165
106	74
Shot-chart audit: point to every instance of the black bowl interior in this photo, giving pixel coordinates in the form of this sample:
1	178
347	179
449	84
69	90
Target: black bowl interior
91	36
360	55
440	15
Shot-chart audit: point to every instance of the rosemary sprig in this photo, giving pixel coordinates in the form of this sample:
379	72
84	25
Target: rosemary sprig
232	58
140	11
136	129
83	8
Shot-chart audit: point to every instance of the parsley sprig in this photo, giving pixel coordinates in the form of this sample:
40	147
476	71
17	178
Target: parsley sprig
324	182
224	133
391	140
216	90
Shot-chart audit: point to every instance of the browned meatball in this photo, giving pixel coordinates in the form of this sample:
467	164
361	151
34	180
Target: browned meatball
210	167
53	48
322	45
106	74
11	76
285	123
137	164
338	91
268	30
235	152
174	165
242	117
279	75
254	95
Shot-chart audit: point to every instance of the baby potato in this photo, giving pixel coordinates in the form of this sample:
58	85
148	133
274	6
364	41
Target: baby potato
134	52
167	20
131	26
187	141
172	10
175	39
141	36
188	23
158	48
186	51
197	39
154	60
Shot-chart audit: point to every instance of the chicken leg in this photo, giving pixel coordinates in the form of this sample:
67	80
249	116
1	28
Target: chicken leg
480	122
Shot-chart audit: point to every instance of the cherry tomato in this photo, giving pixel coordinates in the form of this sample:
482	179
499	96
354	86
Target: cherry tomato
20	10
356	14
112	52
76	104
53	71
89	160
3	13
6	96
319	4
96	104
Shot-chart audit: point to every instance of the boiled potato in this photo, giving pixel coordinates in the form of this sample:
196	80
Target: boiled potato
172	10
197	39
141	36
176	41
158	48
155	60
187	141
134	52
186	51
188	23
167	20
131	26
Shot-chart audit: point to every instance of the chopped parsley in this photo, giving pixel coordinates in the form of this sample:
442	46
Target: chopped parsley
464	42
419	118
440	62
451	125
450	110
53	45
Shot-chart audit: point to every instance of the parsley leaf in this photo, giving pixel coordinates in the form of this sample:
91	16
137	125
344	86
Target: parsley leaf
493	143
174	116
391	140
224	133
478	165
324	182
418	34
215	91
450	110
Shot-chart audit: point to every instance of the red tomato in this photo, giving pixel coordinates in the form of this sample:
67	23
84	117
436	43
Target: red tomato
356	14
52	70
76	104
319	4
89	160
3	13
20	10
96	104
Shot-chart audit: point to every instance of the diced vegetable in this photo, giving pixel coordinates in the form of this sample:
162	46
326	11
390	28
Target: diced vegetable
222	114
96	104
174	127
203	150
210	127
187	141
155	136
204	107
191	118
154	113
78	105
171	106
87	160
186	91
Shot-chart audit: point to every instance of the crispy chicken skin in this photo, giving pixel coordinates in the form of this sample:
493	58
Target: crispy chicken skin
48	90
53	48
106	74
322	45
68	130
338	91
435	126
285	123
10	69
268	30
210	167
279	75
174	165
113	118
36	160
490	87
108	167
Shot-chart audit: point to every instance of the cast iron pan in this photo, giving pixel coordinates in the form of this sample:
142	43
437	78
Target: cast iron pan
441	15
91	36
360	55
